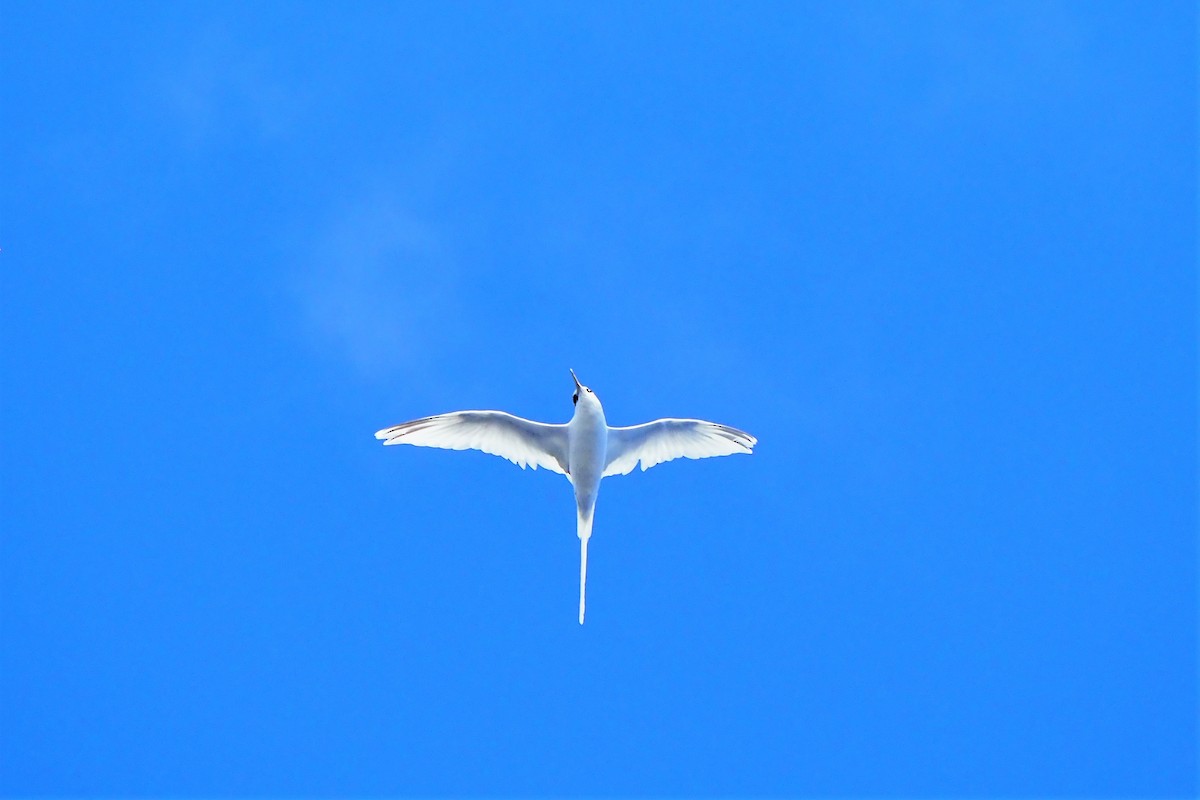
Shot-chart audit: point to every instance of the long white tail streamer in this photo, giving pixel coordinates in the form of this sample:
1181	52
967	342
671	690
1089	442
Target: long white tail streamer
585	533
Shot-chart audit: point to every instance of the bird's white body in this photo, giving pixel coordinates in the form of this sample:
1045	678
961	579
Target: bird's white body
586	449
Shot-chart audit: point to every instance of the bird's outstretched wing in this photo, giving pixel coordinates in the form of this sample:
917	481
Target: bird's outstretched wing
668	439
521	441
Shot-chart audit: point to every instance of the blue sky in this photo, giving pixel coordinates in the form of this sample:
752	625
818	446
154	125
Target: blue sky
939	257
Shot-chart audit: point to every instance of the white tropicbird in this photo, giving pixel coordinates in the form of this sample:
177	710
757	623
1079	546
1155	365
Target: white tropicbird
585	449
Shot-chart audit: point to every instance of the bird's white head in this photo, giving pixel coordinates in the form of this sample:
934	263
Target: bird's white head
583	395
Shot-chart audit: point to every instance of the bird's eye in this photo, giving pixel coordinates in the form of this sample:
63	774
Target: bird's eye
589	391
575	397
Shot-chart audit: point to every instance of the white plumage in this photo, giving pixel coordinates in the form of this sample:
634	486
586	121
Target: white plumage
521	441
585	449
665	440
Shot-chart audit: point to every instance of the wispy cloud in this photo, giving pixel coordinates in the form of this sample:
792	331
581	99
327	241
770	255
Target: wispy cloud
222	89
960	58
379	288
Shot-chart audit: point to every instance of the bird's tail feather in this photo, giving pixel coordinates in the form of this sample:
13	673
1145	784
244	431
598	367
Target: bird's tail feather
585	533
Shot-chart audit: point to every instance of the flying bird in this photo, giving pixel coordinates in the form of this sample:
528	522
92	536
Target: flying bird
585	449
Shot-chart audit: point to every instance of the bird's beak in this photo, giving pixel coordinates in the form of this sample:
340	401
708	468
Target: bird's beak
577	383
